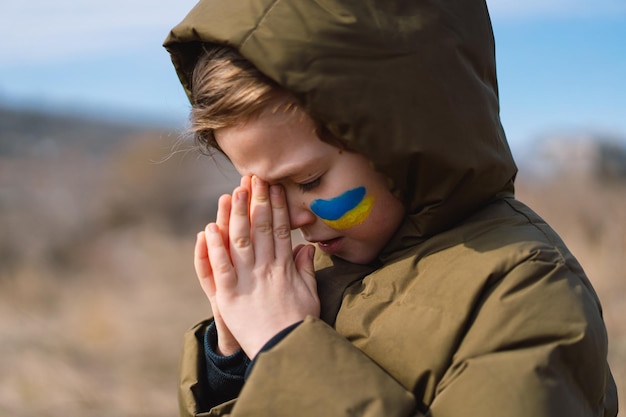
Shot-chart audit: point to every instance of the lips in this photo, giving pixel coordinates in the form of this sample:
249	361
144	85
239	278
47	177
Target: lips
331	246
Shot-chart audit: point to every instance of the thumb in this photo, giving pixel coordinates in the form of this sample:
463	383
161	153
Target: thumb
304	264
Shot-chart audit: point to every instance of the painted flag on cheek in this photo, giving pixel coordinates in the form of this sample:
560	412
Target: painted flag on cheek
346	210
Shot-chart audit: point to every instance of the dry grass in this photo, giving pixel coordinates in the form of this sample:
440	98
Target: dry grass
590	217
96	279
97	285
99	342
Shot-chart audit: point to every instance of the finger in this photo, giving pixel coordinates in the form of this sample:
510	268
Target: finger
280	223
245	182
304	265
223	271
298	249
201	256
202	265
223	216
261	221
241	250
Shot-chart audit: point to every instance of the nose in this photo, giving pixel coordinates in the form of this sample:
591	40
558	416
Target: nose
300	214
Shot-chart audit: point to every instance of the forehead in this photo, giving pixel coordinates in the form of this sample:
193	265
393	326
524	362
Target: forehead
274	145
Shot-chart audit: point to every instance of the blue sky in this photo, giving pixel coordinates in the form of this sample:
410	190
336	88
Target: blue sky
561	63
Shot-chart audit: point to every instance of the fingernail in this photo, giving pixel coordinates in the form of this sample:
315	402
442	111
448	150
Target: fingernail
213	228
242	195
258	181
276	189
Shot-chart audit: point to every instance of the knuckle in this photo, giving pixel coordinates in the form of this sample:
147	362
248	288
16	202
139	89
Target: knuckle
261	198
264	227
278	203
276	274
241	242
282	232
223	268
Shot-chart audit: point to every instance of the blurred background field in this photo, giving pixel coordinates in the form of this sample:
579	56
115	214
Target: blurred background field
98	218
96	281
97	225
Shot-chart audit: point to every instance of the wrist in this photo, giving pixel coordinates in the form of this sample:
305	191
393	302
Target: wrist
212	350
225	343
272	338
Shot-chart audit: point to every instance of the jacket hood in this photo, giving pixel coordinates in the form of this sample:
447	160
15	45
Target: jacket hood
412	85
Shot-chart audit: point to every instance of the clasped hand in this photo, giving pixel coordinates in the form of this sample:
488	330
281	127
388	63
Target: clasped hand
256	283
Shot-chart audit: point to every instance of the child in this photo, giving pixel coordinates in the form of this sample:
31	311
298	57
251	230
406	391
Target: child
374	129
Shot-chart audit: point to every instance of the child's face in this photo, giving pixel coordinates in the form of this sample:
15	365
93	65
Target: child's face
335	197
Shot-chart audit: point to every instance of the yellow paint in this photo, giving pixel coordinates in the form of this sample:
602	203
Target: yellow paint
353	217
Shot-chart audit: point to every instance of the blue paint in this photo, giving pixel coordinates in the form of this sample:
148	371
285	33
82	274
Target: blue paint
335	208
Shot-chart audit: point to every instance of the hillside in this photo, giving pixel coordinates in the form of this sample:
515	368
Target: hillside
23	132
97	225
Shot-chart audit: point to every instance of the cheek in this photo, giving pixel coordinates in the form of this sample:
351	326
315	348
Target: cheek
346	210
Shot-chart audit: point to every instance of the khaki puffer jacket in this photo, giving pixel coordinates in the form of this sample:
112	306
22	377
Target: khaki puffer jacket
475	307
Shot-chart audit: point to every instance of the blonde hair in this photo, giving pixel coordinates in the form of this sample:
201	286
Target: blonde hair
227	90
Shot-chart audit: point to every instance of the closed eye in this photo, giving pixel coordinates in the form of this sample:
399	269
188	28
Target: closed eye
309	185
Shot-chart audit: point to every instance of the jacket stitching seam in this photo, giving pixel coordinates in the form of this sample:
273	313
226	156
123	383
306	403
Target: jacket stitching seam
555	243
259	22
